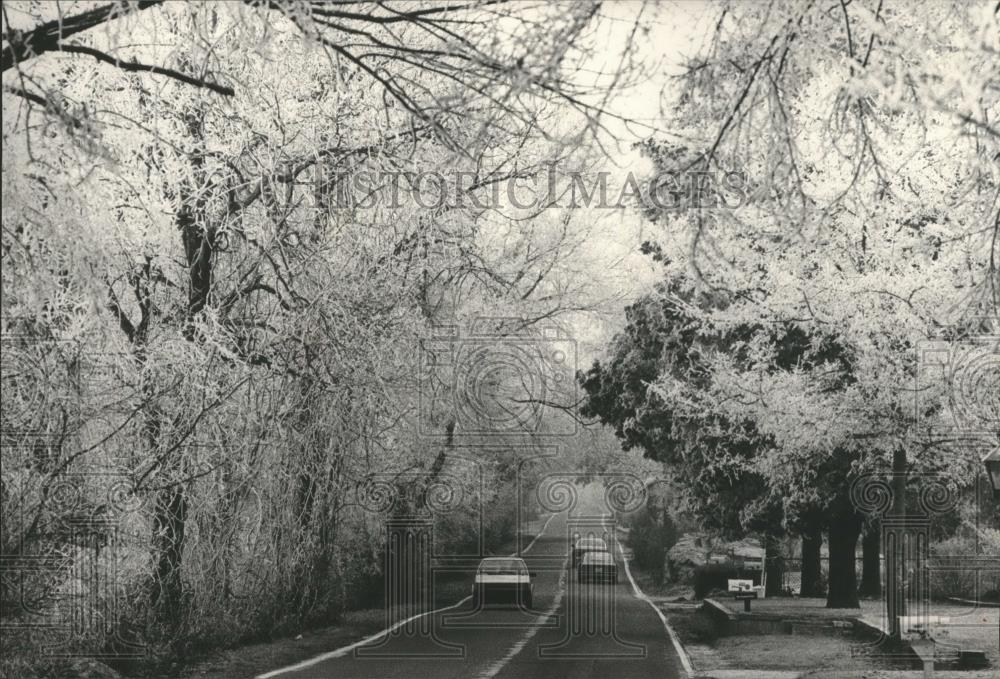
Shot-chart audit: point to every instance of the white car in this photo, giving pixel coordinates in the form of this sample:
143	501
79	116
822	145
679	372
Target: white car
597	567
502	578
585	545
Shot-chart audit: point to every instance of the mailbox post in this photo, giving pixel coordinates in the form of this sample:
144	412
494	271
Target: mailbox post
743	590
747	597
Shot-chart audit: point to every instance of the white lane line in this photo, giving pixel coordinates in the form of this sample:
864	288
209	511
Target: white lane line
532	543
495	669
639	594
341	652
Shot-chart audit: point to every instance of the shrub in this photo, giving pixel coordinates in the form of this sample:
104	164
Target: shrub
695	627
712	576
715	576
651	534
960	583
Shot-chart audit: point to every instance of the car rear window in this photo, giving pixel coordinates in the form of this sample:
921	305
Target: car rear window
502	567
597	558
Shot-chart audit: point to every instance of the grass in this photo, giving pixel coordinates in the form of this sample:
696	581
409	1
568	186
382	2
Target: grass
694	627
785	652
790	607
650	584
709	651
968	627
779	652
660	591
816	655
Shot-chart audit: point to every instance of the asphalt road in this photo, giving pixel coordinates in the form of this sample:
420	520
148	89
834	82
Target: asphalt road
574	630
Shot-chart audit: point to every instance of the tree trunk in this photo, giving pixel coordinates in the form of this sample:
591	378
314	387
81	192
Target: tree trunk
812	543
198	249
170	512
774	565
895	566
842	592
169	520
871	575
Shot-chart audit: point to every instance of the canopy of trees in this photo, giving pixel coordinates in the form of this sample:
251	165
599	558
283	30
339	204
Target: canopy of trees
259	295
228	255
834	311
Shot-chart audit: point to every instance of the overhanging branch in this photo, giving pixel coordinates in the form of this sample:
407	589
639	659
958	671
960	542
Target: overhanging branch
25	45
148	68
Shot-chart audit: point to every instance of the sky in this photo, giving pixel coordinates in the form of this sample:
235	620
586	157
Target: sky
676	30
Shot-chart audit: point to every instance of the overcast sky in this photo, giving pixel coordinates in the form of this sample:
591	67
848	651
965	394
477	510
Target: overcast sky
676	30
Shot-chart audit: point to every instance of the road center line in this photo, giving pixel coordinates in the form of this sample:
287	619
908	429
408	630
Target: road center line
341	652
540	533
496	667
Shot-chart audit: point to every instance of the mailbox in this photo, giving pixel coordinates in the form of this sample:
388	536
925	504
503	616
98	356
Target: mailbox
746	591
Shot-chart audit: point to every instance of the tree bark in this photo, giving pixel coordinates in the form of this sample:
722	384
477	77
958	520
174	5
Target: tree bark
25	45
170	510
812	543
842	591
774	565
895	566
871	573
198	249
168	547
668	570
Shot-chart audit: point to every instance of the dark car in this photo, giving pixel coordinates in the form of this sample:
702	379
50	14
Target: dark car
505	579
597	567
585	545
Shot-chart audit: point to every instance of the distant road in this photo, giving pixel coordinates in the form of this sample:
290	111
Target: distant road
576	631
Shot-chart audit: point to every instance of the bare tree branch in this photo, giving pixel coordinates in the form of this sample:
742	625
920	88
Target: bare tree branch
148	68
24	45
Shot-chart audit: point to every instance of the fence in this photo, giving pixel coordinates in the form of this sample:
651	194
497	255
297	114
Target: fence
791	576
971	583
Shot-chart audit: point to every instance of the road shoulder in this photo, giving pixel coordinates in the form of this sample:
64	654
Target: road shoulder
682	654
